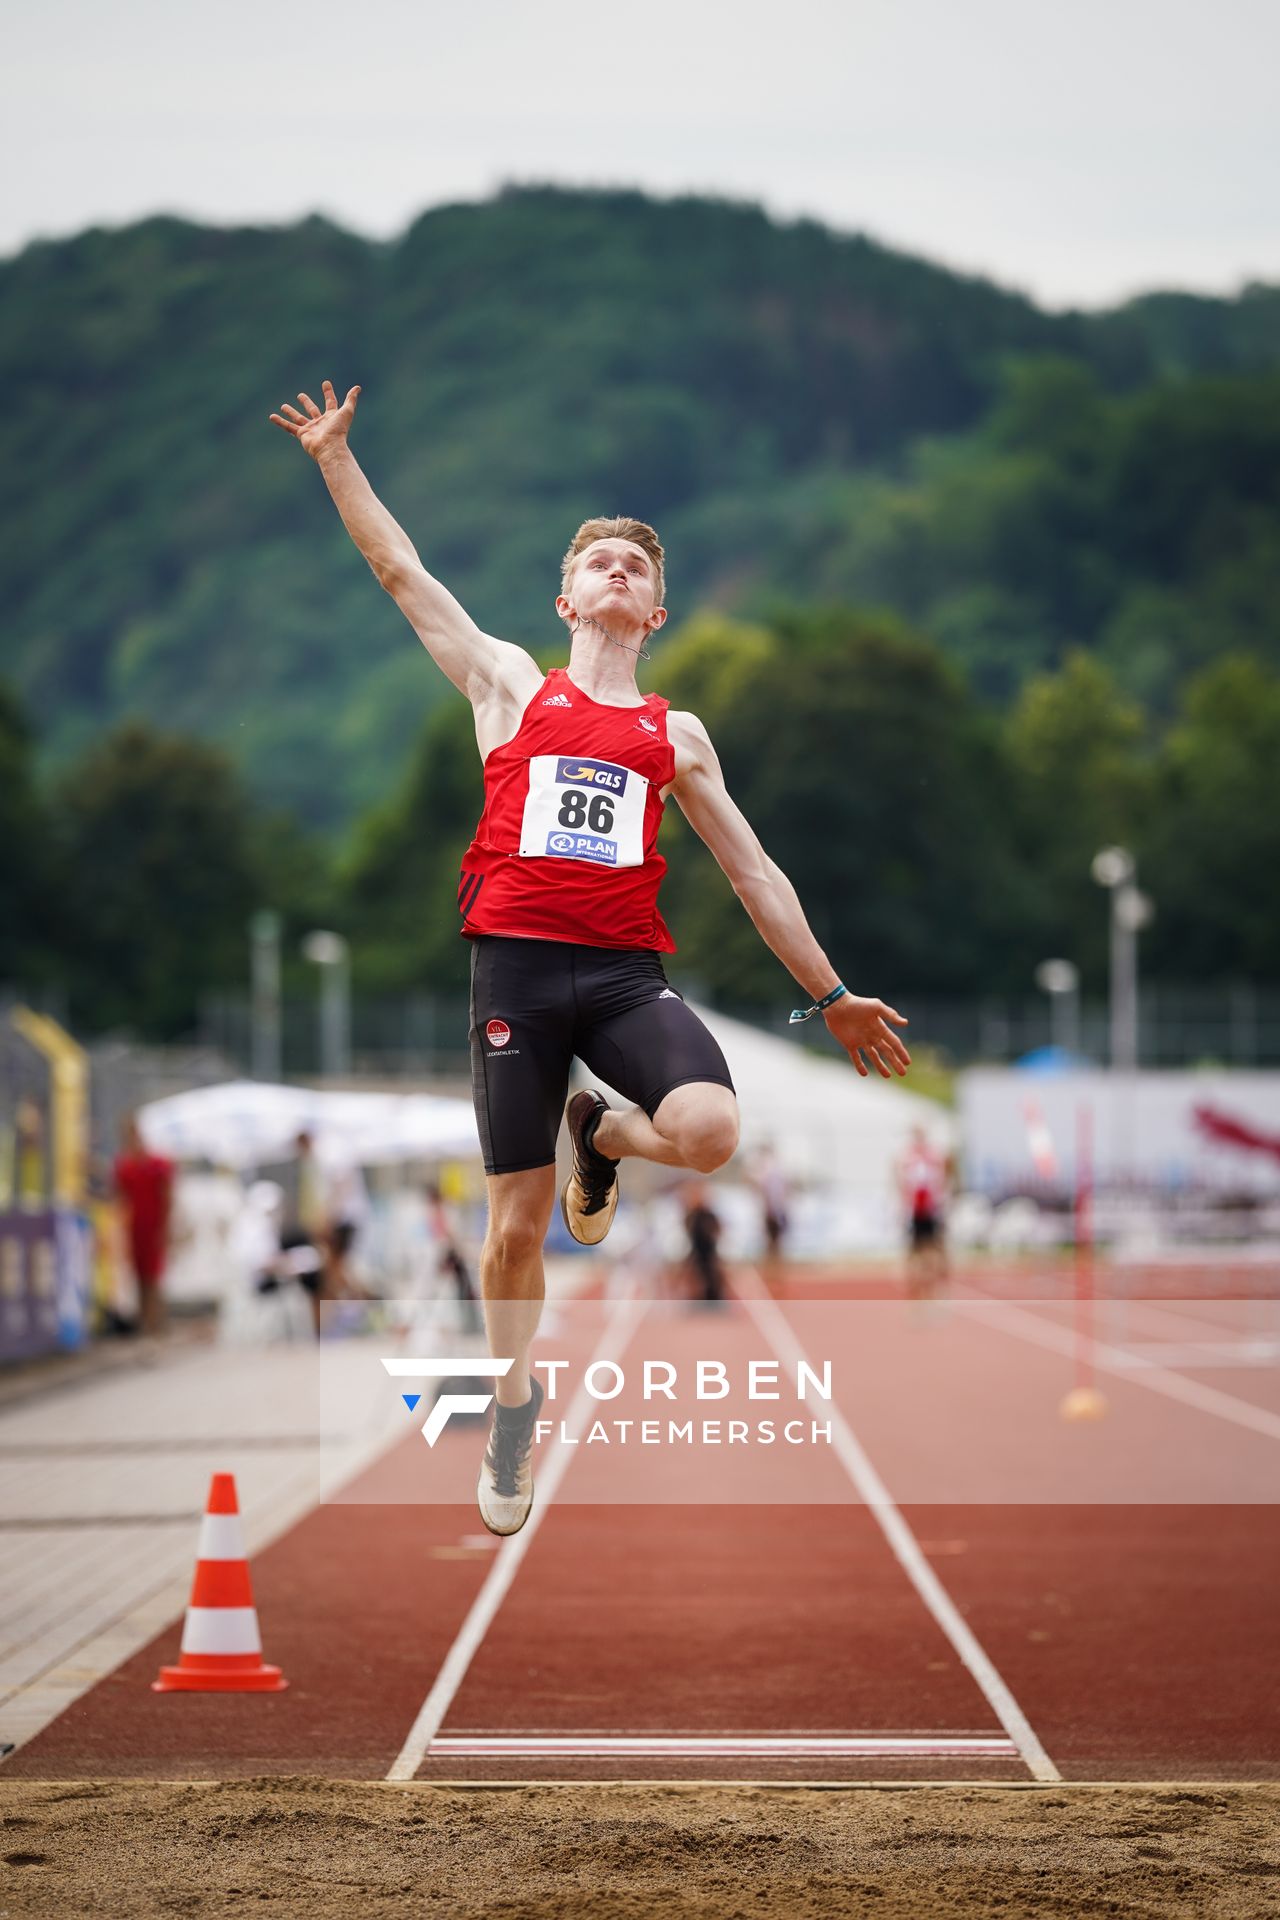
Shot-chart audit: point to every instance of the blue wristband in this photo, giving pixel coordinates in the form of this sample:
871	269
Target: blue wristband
819	1006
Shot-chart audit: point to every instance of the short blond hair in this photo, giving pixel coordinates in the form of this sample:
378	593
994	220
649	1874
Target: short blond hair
619	528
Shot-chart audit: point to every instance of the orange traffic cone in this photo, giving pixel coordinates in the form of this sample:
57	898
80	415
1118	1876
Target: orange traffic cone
221	1646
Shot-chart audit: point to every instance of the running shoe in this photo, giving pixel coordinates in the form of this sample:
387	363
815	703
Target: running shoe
505	1487
589	1197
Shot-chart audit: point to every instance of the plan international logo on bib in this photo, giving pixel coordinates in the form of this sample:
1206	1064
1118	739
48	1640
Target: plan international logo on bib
583	846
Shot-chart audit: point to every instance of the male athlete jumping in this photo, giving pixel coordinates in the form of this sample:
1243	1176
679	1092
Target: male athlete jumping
559	895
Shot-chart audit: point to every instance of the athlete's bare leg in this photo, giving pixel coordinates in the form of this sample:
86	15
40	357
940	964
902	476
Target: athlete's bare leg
696	1126
926	1270
152	1313
511	1275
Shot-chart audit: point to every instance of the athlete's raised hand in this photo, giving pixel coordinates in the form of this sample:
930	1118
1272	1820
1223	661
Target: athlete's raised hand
319	432
863	1030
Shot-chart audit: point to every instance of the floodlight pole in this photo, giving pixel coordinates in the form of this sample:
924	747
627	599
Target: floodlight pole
329	952
264	1016
1060	979
1116	869
1124	988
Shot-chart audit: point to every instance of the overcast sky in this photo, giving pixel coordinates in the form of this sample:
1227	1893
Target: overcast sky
1082	151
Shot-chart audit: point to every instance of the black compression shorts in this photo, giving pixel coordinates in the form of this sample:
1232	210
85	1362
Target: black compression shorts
537	1003
926	1229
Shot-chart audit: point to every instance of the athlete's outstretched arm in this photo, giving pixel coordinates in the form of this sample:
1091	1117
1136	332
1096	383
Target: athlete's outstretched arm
861	1026
478	665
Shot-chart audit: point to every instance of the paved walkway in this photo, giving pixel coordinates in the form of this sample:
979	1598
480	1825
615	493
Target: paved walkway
105	1461
103	1479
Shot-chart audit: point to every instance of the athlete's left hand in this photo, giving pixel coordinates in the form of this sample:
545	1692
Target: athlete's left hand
862	1028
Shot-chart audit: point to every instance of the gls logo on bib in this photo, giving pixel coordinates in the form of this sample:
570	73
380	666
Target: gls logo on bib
580	809
595	773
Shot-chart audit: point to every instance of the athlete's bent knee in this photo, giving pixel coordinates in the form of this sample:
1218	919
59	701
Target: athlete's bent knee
709	1139
512	1242
700	1124
713	1143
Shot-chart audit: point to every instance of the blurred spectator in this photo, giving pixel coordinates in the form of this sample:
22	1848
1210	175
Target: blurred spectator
448	1258
110	1313
306	1200
702	1224
255	1236
773	1188
323	1211
144	1182
347	1208
304	1221
256	1252
922	1184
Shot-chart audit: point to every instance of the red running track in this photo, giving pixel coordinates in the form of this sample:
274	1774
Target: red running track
1137	1642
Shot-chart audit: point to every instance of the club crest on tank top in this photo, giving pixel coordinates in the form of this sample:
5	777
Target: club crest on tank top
567	845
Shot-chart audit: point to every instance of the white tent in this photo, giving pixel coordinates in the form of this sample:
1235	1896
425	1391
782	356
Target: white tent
829	1127
826	1123
246	1123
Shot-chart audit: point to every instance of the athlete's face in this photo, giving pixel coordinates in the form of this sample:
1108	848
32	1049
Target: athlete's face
612	582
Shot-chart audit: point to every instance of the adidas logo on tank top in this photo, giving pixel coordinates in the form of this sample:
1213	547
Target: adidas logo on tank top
557	700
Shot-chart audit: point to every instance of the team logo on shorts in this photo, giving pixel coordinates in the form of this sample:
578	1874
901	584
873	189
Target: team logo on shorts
497	1033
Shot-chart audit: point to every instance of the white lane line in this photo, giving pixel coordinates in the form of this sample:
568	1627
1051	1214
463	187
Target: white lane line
776	1329
606	1746
410	1368
1117	1360
1199	1353
618	1329
1172	1321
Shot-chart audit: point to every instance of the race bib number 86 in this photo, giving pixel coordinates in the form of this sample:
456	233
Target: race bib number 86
584	810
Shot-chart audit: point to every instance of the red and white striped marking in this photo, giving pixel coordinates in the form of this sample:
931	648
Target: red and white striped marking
221	1618
815	1746
1040	1141
221	1645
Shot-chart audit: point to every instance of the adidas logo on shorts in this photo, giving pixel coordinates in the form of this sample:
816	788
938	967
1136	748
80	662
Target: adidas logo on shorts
557	700
667	994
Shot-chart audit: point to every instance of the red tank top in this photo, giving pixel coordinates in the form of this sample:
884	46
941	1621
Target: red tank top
567	845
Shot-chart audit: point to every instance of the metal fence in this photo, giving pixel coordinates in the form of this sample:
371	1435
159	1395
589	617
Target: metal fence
424	1033
391	1035
414	1035
1231	1026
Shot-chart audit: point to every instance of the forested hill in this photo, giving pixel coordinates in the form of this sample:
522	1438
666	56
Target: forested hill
804	416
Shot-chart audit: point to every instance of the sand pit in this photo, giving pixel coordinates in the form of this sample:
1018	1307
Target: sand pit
335	1850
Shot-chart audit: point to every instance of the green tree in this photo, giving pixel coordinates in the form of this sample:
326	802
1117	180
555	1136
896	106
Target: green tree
32	885
1214	846
159	839
801	413
398	877
705	664
1077	752
874	782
